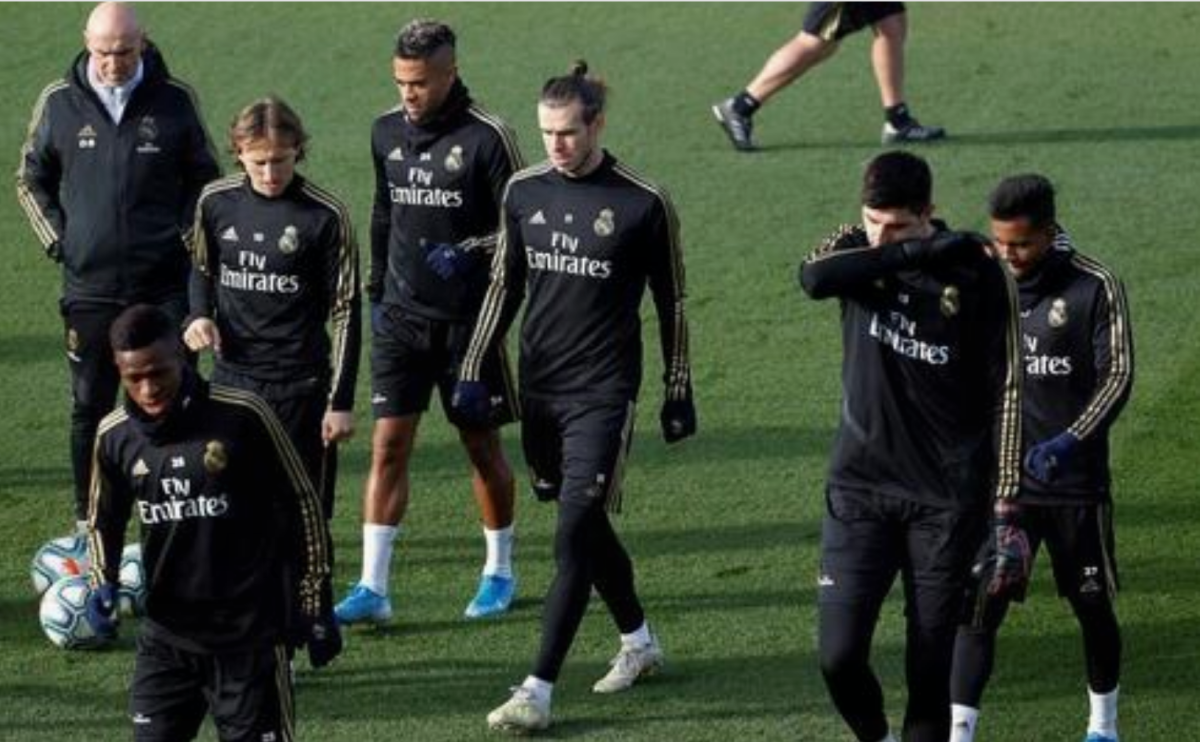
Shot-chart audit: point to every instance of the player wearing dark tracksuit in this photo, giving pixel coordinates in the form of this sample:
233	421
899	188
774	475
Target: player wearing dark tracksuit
928	436
583	236
1077	348
273	271
110	198
234	545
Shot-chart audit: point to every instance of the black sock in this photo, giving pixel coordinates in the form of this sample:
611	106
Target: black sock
744	104
898	115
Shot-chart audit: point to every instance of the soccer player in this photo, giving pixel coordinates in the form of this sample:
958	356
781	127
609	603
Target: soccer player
110	172
441	163
928	439
226	513
825	25
1078	352
583	235
275	259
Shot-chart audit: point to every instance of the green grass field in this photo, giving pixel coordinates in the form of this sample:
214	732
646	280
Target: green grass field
724	529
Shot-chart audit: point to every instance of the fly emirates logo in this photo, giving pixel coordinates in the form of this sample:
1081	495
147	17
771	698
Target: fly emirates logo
179	505
421	191
1044	364
562	257
900	334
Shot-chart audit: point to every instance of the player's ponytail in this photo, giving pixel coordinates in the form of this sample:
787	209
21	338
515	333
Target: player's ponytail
577	85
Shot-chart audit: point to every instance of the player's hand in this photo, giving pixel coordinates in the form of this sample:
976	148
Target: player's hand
472	402
1047	460
102	611
324	641
54	251
202	333
678	418
1014	557
446	260
337	426
943	247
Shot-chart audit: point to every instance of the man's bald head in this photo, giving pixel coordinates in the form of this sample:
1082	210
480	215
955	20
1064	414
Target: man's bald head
115	40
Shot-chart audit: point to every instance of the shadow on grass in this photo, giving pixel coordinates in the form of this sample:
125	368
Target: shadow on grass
23	350
1182	132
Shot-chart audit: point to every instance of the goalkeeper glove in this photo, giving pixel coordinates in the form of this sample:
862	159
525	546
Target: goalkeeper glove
1045	461
678	418
324	640
1014	556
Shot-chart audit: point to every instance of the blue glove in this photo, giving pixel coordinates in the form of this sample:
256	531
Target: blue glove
324	641
102	611
446	260
376	316
678	418
472	402
1014	556
1045	461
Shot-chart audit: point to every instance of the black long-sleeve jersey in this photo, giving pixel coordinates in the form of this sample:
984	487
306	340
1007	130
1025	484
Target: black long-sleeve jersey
275	270
1078	352
440	182
116	197
585	249
930	374
224	507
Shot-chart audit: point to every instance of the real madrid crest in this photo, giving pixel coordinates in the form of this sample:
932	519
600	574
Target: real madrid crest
289	242
215	458
1058	312
604	224
950	303
147	129
454	160
72	340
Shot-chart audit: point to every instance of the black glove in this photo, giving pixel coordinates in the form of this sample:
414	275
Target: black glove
1045	461
942	247
678	418
102	611
54	251
1014	557
324	640
446	260
472	402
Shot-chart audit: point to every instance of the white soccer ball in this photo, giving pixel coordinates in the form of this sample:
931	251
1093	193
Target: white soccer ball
132	590
61	557
63	614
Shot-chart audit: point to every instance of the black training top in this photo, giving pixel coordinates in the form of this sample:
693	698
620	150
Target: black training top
930	375
224	507
272	272
585	250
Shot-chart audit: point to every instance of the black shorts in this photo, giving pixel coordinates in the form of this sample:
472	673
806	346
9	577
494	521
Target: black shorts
577	450
835	21
249	693
866	539
300	406
94	378
1081	545
410	355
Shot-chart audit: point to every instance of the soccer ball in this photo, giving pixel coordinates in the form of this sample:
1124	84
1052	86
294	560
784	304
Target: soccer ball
61	557
63	614
132	590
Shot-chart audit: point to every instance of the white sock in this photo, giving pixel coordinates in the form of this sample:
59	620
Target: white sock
1104	712
639	638
963	720
538	688
499	551
377	556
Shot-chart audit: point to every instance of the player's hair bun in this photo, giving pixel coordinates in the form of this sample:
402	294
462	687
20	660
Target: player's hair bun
579	68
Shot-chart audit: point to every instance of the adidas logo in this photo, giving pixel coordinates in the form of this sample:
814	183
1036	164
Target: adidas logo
140	469
230	235
538	218
378	398
396	155
86	131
